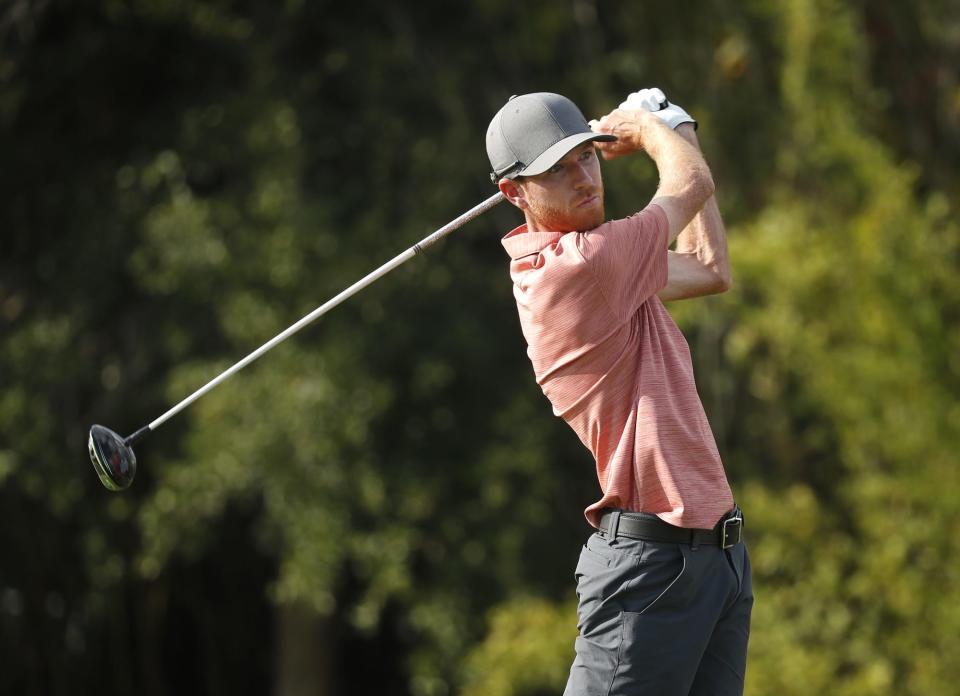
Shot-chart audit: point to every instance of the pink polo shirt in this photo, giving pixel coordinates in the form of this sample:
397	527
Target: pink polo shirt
616	367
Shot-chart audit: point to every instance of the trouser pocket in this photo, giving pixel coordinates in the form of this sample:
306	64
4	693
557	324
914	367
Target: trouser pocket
617	590
653	638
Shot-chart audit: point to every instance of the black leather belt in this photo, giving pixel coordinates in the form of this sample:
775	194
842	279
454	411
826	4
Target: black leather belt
641	525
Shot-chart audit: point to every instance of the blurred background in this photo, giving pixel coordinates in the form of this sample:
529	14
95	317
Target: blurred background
385	504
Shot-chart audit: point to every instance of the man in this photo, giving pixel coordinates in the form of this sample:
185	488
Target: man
664	585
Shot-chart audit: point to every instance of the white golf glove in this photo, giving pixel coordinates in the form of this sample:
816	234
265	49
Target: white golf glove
655	101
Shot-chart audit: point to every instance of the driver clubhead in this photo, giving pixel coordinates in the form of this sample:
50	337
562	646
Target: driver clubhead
113	460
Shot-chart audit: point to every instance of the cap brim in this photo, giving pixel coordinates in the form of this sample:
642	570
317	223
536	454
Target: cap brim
558	150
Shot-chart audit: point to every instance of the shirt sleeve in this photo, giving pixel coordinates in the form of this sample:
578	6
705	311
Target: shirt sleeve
628	258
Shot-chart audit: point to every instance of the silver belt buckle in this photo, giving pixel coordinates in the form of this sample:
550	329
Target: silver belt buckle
731	532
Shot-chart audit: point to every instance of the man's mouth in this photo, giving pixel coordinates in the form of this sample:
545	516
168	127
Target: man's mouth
588	201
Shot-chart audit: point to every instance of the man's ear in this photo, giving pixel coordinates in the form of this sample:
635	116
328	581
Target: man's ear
513	192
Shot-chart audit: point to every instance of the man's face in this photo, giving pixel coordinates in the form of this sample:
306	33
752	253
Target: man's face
567	197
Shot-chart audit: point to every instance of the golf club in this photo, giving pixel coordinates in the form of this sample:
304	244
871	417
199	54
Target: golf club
112	455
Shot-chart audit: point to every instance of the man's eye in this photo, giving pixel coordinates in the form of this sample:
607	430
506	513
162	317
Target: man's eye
554	169
587	154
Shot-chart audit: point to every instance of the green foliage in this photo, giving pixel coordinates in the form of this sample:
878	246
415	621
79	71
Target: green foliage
529	648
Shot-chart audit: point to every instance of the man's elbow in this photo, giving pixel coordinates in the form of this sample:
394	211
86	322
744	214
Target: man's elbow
716	279
722	281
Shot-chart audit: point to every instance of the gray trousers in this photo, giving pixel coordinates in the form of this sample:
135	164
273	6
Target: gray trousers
661	619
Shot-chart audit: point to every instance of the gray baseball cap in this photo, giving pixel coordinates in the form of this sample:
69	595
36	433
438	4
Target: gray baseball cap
532	132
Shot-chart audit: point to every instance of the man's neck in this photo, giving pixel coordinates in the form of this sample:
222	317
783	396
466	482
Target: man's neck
534	225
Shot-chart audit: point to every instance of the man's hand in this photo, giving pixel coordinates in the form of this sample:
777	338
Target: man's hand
631	126
652	99
655	101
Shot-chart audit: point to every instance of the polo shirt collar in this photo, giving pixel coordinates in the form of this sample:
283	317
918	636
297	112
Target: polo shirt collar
519	243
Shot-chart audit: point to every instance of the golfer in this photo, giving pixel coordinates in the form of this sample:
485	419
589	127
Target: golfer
664	584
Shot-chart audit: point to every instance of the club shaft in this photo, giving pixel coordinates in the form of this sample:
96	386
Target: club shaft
330	304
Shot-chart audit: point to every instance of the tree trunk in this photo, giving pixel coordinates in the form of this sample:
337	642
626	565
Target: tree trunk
305	653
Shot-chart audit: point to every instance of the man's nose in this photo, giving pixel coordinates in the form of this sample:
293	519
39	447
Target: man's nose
583	177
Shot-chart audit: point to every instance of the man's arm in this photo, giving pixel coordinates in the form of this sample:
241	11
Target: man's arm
701	263
685	180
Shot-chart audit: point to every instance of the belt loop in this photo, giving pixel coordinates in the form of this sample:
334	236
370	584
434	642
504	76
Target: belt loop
614	525
694	544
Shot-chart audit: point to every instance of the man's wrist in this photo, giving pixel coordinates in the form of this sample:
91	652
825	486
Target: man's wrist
655	135
689	133
650	130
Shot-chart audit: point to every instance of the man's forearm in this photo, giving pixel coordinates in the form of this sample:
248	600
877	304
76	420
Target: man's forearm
684	174
705	237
